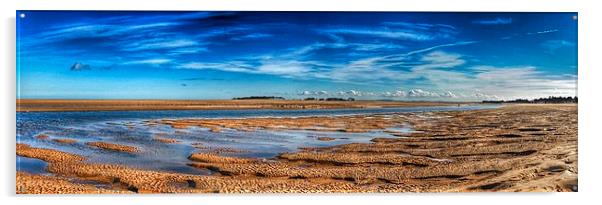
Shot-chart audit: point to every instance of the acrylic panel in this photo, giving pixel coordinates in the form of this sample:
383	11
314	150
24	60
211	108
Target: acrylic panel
295	102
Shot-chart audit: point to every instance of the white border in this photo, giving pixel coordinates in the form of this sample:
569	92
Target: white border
589	94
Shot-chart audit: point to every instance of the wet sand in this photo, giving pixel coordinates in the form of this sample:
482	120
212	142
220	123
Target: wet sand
65	141
37	105
530	148
351	124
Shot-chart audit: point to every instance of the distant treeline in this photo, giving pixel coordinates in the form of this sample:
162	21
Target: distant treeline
259	98
281	98
330	99
550	99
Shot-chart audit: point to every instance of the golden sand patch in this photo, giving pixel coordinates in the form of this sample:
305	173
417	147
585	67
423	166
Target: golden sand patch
214	158
48	155
65	141
113	147
39	184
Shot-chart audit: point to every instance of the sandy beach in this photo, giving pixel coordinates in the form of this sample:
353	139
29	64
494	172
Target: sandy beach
530	148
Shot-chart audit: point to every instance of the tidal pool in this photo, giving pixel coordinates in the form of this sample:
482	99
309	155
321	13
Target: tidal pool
31	165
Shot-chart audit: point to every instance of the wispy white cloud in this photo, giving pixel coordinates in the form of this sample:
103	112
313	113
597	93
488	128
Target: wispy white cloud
547	31
435	30
460	43
283	68
552	45
420	26
160	43
495	73
413	64
187	50
96	30
543	32
252	36
381	33
155	61
495	21
135	33
230	67
440	59
149	26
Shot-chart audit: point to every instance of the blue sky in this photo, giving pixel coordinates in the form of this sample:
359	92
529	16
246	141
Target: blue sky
365	55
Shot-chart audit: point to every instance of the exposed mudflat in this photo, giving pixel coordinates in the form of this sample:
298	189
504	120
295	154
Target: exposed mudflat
513	148
39	105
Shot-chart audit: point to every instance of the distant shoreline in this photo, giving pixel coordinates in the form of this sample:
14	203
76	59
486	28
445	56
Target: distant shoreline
58	105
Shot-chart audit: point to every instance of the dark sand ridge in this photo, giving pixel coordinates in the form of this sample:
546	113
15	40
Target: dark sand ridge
33	105
514	148
65	141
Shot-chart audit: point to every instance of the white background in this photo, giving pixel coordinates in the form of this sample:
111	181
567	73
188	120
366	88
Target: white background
589	94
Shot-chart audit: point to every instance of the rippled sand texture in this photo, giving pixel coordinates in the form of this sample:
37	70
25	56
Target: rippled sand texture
514	148
113	147
355	123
